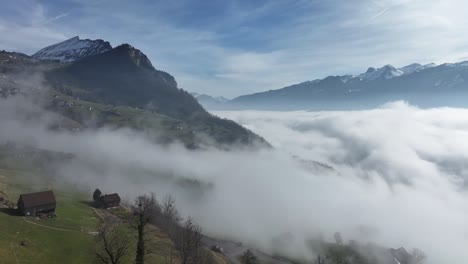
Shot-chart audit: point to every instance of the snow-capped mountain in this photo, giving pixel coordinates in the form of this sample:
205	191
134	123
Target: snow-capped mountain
428	85
73	49
416	67
386	72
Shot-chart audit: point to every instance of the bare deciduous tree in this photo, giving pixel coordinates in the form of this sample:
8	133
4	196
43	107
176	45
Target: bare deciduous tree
417	256
170	259
170	223
113	245
248	257
145	209
320	260
338	238
170	213
189	242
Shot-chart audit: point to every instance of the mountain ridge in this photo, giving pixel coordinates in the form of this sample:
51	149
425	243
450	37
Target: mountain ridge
72	49
426	85
120	88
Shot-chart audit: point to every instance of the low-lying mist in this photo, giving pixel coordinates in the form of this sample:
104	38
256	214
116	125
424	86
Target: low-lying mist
395	175
400	175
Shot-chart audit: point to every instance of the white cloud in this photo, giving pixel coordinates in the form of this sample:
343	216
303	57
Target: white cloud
402	171
327	38
31	29
343	38
398	178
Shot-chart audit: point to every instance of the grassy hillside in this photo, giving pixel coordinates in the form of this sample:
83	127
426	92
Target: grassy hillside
59	240
71	236
23	242
124	78
68	238
203	130
119	94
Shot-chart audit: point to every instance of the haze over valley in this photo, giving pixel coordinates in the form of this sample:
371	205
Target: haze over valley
244	134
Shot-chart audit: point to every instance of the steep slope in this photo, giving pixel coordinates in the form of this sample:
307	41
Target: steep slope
72	50
118	89
125	76
424	85
124	80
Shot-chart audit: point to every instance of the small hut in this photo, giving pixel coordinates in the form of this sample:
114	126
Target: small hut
32	204
109	200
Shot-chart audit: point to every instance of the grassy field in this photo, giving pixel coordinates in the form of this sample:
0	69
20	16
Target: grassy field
23	242
68	238
28	240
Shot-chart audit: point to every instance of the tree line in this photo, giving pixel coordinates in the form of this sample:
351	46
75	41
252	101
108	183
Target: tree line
185	234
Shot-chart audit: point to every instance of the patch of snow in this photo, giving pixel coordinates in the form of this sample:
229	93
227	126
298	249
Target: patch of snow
458	64
346	78
416	67
313	81
72	49
387	72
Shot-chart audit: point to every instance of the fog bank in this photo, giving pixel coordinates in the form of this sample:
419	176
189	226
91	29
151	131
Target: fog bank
398	176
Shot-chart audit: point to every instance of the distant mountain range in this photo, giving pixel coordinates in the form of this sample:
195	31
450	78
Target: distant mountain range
124	75
209	101
95	85
427	85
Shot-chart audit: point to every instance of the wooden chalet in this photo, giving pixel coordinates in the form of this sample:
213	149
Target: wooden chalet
109	200
32	204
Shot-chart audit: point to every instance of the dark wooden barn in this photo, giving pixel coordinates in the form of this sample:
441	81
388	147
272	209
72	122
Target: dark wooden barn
109	200
31	204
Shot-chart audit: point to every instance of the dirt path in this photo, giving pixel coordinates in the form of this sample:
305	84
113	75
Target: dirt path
99	215
50	227
56	228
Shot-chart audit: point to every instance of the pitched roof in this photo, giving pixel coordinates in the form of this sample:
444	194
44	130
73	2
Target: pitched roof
109	198
38	199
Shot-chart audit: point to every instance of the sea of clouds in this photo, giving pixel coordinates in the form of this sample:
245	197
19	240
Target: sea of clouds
400	174
395	176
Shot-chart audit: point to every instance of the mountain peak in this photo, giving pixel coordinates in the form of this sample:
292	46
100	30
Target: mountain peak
387	72
413	65
389	66
125	46
416	67
73	49
138	57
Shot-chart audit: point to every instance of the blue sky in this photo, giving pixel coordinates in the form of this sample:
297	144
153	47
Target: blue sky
234	47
